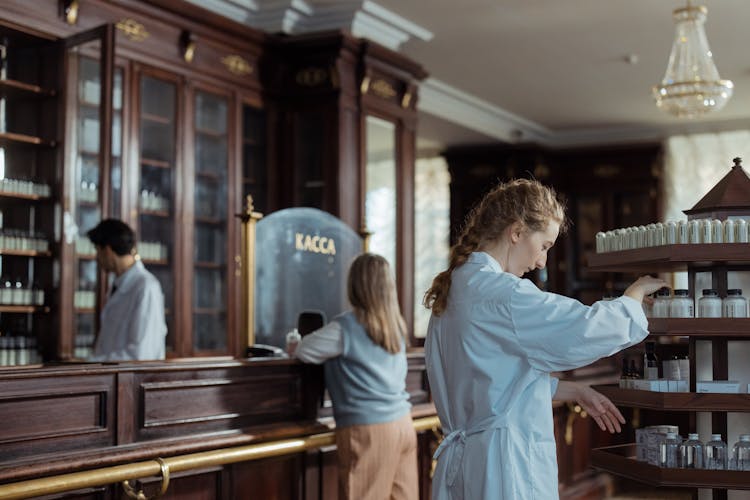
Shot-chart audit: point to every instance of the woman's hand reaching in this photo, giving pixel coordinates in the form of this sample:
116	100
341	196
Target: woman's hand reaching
602	410
643	286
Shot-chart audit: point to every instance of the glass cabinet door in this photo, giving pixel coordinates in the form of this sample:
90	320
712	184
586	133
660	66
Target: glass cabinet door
156	198
88	184
380	187
210	214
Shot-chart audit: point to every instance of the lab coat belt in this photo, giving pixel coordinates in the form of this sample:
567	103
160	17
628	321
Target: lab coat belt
455	443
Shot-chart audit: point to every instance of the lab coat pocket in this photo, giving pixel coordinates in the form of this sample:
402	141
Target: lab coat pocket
543	475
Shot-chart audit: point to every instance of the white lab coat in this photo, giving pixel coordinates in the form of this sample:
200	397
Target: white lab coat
132	320
489	356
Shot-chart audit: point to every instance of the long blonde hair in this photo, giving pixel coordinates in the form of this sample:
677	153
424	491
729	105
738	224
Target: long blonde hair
372	293
526	201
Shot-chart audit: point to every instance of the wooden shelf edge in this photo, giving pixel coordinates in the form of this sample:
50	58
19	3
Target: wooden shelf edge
700	327
676	401
26	139
29	88
25	253
620	461
669	257
23	309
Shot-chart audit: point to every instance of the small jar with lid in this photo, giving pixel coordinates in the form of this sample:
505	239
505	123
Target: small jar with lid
660	308
600	242
734	304
683	232
730	232
681	305
709	305
658	234
717	231
670	233
741	230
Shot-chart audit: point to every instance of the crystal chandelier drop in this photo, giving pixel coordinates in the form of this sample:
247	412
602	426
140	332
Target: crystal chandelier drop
691	86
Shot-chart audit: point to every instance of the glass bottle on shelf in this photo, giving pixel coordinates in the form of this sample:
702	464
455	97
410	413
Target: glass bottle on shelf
741	453
716	453
660	308
669	450
734	304
681	305
709	305
691	453
650	362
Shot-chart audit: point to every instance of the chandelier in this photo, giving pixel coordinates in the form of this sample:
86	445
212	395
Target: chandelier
691	85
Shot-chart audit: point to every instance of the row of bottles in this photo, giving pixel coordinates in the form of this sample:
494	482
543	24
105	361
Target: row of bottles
85	298
84	247
18	351
694	231
17	293
154	201
152	250
710	305
89	192
16	239
691	453
25	187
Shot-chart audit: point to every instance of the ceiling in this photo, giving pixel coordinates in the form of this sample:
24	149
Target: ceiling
555	72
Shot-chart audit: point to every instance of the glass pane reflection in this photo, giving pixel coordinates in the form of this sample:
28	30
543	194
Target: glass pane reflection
380	188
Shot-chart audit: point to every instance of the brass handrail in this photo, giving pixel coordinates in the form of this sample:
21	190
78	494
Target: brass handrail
118	473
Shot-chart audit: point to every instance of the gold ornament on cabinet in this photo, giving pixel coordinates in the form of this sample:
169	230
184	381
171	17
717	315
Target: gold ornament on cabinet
132	29
383	89
187	46
237	65
311	77
70	11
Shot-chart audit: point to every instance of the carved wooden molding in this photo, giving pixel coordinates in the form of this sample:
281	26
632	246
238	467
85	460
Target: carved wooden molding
237	65
132	29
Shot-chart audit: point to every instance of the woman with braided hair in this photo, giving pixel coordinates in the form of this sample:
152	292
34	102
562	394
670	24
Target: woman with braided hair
493	340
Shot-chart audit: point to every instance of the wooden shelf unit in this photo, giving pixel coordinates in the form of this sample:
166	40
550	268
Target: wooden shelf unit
676	401
717	259
620	460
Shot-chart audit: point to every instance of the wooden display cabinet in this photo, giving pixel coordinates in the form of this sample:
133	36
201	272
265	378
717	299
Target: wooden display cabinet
118	125
718	259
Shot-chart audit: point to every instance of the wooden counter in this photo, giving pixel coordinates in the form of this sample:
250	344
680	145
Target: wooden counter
64	418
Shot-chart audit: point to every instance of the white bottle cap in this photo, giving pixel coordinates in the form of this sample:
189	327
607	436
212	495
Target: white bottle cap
715	437
693	436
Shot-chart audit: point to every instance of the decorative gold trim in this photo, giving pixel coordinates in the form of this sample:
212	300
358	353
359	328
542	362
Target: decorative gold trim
138	494
365	85
237	65
406	100
366	236
70	10
249	219
383	89
606	170
212	458
311	76
132	29
187	46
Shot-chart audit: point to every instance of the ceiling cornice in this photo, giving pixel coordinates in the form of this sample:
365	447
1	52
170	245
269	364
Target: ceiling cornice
362	18
367	19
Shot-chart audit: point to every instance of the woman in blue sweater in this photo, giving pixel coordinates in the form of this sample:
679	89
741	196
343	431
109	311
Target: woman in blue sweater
364	356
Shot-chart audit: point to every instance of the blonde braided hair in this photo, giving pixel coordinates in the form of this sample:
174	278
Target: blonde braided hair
526	201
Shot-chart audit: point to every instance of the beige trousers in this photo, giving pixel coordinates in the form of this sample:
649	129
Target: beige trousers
378	461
